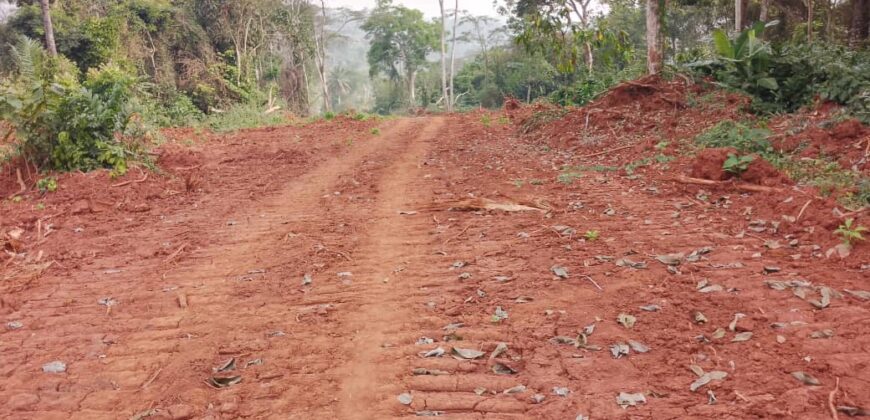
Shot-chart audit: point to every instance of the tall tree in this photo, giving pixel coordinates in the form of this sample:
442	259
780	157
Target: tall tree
445	96
653	37
320	56
451	91
859	29
400	40
478	33
48	27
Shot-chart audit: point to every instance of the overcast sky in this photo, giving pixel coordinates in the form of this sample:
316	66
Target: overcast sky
429	7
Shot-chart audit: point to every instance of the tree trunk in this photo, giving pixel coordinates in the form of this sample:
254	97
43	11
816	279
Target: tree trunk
860	27
444	95
590	59
738	15
49	28
809	21
765	10
320	58
412	87
653	37
453	57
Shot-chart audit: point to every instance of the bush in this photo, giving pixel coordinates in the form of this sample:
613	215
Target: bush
737	135
67	125
786	77
244	116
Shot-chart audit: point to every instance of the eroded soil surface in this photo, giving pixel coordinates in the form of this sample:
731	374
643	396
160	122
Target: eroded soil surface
324	262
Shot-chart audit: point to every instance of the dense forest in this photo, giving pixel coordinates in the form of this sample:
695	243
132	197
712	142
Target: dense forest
76	73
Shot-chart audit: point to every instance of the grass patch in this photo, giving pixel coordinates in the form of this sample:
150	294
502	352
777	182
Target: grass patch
243	116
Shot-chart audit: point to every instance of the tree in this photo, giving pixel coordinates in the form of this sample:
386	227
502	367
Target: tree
561	29
320	56
400	40
445	96
859	29
451	91
48	27
653	37
478	33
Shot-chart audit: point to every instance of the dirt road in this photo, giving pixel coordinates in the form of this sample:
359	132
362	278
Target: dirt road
307	269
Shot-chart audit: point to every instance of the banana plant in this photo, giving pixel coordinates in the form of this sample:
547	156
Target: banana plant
746	58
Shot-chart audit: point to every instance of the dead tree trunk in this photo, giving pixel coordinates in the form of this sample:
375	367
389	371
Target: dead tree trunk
451	92
444	95
49	28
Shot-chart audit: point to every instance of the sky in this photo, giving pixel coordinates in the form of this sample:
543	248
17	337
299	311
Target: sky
429	7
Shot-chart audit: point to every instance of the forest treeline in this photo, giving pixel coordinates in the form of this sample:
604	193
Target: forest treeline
79	76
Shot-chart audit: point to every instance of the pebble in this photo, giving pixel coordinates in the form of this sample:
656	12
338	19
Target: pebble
180	412
54	367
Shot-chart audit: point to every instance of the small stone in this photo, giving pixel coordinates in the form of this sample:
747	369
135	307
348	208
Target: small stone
405	399
54	367
561	391
14	325
538	398
780	339
180	412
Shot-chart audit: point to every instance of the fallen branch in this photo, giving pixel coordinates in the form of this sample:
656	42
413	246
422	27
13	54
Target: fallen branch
831	400
739	186
137	181
852	214
456	236
173	255
20	182
593	282
151	379
606	152
803	209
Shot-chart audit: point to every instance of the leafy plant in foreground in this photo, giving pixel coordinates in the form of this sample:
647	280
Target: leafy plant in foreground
737	164
849	232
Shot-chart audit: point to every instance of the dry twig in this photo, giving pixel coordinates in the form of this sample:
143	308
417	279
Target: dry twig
137	181
831	400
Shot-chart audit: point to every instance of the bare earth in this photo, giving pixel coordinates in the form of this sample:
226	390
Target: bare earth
153	286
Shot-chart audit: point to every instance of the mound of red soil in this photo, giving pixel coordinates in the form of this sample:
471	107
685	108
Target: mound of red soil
708	164
847	141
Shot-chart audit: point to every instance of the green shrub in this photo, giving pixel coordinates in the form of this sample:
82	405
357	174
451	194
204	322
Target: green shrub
47	184
66	125
737	135
245	115
786	77
737	164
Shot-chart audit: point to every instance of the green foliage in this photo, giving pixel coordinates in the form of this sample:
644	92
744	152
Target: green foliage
542	118
65	124
376	131
592	235
329	116
737	164
400	40
737	135
47	184
590	86
242	116
486	120
785	77
849	232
